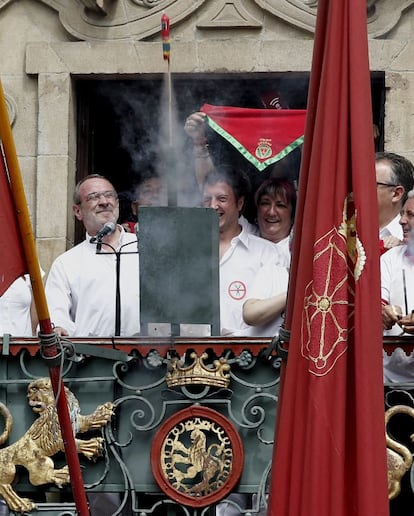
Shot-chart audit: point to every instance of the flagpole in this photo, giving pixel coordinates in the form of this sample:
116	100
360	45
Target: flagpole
168	153
49	350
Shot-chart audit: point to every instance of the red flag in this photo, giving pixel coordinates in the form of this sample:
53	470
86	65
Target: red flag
262	136
330	454
12	259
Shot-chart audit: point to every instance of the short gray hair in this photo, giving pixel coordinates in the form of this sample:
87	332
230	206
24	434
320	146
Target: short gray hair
402	171
76	196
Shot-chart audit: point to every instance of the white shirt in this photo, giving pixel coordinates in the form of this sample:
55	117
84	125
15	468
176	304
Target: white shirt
397	271
248	226
283	249
15	308
393	228
81	288
238	268
270	281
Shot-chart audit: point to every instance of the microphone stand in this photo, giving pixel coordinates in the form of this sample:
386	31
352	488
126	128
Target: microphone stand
117	254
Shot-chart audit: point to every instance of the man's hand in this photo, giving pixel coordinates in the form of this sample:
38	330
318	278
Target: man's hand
61	331
391	241
407	323
390	315
195	128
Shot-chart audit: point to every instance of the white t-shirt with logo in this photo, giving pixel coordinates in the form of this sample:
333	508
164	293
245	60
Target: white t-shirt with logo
238	269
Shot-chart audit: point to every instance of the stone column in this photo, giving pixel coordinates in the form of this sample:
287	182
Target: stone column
56	161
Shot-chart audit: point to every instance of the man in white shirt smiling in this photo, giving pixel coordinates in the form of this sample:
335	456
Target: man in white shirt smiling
395	178
81	285
241	253
397	296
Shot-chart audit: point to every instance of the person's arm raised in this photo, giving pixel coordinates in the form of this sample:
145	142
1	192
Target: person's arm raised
195	129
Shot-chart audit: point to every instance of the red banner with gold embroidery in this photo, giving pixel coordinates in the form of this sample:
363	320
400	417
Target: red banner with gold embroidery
330	453
262	136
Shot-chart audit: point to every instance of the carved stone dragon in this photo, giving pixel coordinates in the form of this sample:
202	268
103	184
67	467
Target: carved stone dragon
43	439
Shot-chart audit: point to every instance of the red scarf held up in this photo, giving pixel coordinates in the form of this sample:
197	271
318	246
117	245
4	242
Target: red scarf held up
262	136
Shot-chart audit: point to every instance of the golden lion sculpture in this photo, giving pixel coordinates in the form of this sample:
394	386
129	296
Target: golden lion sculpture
43	440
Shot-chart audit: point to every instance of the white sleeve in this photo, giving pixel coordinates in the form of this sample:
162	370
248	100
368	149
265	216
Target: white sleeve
386	277
59	298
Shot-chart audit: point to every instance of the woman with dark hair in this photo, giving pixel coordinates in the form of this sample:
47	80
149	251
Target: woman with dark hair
275	201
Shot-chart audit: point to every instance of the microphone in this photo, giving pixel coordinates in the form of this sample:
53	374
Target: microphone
108	229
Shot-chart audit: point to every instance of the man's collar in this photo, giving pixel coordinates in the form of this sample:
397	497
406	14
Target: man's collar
243	236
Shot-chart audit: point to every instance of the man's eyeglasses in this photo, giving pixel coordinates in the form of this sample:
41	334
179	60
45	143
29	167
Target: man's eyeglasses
95	196
385	184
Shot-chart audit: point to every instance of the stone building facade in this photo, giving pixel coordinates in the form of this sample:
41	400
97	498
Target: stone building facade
47	46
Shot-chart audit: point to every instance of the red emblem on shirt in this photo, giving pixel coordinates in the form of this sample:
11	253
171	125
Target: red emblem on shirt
237	290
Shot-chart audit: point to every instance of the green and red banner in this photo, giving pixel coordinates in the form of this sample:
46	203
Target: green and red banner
262	136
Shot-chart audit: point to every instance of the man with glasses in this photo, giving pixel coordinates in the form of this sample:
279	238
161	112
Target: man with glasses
395	181
395	177
397	296
83	282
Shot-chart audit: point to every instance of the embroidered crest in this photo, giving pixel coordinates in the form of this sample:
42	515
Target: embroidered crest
264	149
329	303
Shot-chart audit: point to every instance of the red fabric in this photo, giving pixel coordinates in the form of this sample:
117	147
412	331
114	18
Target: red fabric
263	136
12	261
330	453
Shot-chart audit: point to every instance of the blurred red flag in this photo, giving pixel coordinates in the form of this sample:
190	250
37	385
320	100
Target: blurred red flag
12	259
330	453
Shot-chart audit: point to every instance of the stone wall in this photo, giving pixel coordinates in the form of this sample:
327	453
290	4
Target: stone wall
42	51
